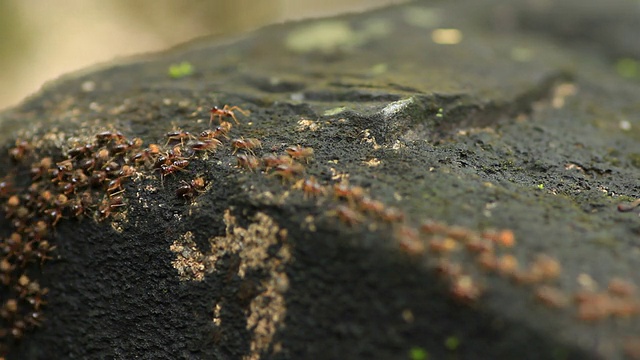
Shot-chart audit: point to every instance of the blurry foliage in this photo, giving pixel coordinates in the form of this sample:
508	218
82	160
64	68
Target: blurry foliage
15	39
215	16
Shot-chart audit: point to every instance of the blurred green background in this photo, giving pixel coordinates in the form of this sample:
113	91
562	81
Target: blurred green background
41	40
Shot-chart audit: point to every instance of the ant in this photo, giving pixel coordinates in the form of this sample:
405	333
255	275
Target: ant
107	136
247	144
465	290
221	130
310	187
20	150
113	185
36	300
6	188
628	206
299	152
102	156
54	214
80	150
350	193
87	164
247	161
288	171
392	214
190	189
226	111
176	165
178	135
271	161
123	147
98	177
168	169
108	205
369	205
147	155
61	170
409	241
38	169
551	296
66	187
116	184
346	215
209	145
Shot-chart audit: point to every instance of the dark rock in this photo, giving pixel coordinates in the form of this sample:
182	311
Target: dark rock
522	125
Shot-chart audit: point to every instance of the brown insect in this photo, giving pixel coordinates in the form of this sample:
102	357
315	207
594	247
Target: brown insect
551	297
107	136
447	269
459	233
409	241
41	168
6	188
392	214
504	238
432	227
249	162
126	171
215	133
18	329
371	206
209	145
628	206
288	171
81	150
593	306
76	207
545	267
299	152
36	300
488	261
464	289
61	170
87	164
621	288
226	111
347	215
97	178
272	160
310	187
350	193
109	205
43	251
66	187
114	186
21	149
478	245
507	265
246	144
178	135
148	155
54	214
102	156
189	189
177	165
118	149
441	245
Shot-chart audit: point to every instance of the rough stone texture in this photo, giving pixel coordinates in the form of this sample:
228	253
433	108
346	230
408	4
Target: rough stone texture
516	127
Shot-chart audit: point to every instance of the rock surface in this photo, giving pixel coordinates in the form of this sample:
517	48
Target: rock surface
509	119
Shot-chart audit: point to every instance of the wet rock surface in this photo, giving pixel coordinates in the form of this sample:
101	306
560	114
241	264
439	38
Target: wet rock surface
460	199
